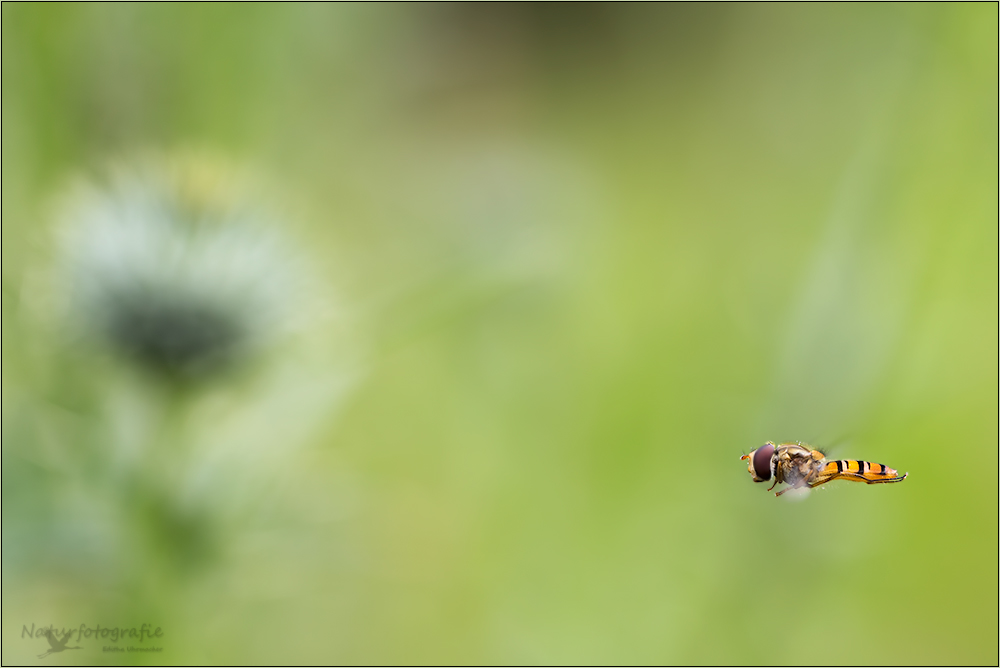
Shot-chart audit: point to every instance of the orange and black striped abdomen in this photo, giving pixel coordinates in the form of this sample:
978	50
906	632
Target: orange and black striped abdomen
860	471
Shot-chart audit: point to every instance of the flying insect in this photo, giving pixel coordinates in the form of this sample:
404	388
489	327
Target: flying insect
801	466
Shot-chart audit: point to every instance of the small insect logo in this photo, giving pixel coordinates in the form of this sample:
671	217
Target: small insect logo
146	636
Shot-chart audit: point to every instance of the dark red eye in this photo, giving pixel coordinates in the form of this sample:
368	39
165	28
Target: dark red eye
762	461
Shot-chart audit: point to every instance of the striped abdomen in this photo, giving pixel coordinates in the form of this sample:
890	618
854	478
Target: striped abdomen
860	471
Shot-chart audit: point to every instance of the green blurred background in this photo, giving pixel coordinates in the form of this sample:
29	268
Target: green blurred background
567	263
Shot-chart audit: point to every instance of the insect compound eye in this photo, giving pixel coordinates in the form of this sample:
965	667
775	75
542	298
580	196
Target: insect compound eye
762	462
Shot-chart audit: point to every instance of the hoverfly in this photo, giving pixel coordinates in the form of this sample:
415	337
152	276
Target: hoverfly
800	466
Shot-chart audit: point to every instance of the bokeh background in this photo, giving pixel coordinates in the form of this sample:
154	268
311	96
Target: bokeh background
556	268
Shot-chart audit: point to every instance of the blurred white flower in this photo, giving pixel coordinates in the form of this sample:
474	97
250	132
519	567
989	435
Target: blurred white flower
173	266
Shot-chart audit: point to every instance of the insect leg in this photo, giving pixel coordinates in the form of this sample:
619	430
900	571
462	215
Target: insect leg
821	479
896	479
861	478
787	489
857	477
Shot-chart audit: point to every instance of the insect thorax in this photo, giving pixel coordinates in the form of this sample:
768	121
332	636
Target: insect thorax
796	465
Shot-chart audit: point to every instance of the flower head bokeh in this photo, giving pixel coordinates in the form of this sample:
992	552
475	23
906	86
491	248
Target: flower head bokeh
169	264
